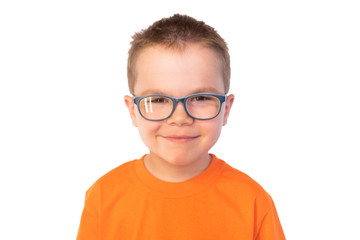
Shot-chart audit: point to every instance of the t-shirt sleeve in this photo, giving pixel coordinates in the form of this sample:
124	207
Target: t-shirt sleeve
89	223
270	227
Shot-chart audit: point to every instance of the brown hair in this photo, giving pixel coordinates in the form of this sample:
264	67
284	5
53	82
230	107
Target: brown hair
175	32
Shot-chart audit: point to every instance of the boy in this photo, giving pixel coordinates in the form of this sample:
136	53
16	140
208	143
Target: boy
178	73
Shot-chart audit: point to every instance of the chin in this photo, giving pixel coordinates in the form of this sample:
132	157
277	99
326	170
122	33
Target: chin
171	157
180	158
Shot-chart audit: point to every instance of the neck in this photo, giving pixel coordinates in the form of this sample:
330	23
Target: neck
173	172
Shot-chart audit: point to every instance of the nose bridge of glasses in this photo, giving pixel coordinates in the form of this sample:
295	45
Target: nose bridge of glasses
175	106
177	100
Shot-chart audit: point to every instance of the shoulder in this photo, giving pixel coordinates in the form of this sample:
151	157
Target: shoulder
242	187
238	179
121	172
119	178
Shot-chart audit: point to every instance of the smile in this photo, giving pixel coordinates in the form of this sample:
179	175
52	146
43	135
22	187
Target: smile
180	139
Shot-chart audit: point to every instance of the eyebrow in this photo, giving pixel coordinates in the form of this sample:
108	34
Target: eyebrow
161	92
152	92
206	90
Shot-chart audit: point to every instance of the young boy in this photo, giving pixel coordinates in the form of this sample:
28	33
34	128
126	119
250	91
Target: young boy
178	73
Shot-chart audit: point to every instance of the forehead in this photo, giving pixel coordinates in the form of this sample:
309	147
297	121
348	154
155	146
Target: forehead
178	72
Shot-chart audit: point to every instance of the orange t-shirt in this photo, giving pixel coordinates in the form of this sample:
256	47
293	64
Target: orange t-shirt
220	203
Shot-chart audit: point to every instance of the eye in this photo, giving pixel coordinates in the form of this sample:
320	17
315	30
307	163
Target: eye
159	100
200	98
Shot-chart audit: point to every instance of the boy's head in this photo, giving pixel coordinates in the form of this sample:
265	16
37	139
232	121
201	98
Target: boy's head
176	33
179	76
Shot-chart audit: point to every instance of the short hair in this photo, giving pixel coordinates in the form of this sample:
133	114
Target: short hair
175	32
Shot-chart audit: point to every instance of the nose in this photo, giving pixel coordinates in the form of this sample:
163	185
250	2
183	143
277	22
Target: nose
179	116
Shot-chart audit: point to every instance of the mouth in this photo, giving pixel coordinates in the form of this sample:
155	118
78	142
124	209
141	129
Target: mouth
180	139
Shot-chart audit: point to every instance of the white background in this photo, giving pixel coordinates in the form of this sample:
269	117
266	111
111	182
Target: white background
294	126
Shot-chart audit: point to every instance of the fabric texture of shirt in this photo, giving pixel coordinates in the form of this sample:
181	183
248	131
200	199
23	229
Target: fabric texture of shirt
220	203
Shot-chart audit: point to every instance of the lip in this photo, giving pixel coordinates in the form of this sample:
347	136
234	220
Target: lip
180	139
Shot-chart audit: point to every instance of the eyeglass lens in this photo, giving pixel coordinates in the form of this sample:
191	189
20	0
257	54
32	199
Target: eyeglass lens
198	106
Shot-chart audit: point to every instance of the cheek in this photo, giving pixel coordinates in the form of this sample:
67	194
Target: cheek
213	129
147	131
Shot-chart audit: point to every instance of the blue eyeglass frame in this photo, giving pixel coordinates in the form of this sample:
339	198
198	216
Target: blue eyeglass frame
222	99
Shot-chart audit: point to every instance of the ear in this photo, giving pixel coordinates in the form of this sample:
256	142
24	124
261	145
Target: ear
129	102
228	103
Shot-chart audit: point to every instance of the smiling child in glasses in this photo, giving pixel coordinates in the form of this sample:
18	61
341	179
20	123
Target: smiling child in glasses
179	75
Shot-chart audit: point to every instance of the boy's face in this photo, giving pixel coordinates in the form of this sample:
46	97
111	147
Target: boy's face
179	140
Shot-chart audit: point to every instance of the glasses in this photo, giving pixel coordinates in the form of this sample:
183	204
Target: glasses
201	106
